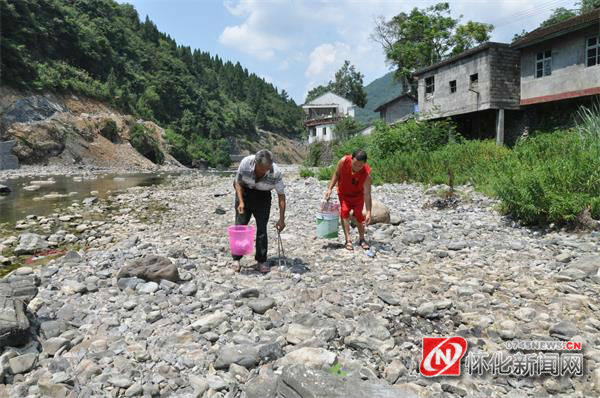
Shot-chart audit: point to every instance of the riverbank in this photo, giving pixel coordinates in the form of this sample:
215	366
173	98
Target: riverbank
326	315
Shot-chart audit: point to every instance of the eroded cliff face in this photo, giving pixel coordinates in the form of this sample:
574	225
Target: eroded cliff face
53	129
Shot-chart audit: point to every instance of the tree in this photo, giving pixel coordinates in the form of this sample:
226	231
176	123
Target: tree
317	91
588	5
346	128
348	84
469	35
426	36
558	15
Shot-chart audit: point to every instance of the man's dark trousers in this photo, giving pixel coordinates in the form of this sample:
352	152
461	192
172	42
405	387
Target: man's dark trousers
257	204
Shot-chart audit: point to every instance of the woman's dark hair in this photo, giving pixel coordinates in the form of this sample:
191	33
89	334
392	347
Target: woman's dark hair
359	155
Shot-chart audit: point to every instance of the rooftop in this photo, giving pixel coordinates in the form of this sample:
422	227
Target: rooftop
458	57
570	25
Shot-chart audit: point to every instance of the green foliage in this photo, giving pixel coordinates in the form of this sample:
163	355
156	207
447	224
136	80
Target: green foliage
411	136
346	128
558	15
424	37
215	152
315	150
101	49
178	145
348	83
110	131
337	370
145	143
325	173
588	121
306	172
552	178
546	178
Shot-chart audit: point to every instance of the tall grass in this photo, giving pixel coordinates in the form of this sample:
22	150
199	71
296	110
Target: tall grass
547	178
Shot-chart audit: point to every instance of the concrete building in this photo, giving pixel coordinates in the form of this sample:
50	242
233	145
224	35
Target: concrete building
323	113
475	88
397	108
561	62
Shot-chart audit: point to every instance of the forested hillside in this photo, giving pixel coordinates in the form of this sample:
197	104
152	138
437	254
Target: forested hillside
101	49
378	91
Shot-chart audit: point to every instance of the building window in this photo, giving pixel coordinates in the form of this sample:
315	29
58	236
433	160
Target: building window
543	63
452	86
593	51
474	79
429	85
324	131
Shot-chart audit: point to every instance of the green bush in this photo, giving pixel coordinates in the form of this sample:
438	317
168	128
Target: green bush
546	178
306	172
110	131
145	143
325	173
215	152
315	150
551	178
178	147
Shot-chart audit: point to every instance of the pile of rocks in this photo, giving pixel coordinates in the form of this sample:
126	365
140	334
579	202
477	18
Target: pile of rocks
152	309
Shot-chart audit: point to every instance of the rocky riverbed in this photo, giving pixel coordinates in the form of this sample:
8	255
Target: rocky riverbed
143	302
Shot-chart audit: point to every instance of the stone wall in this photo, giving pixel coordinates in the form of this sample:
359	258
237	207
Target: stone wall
8	161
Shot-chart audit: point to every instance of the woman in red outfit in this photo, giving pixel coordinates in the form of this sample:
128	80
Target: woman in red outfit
353	177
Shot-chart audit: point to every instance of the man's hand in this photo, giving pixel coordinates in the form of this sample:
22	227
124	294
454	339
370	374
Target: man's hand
241	208
368	218
280	225
327	194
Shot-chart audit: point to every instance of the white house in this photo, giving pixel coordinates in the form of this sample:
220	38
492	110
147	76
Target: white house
323	113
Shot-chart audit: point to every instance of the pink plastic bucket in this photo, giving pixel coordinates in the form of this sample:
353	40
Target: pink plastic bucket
241	239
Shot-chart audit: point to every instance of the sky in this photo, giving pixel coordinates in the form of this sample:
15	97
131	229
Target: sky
299	44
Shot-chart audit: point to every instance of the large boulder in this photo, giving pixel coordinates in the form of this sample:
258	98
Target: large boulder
150	268
14	325
30	244
380	214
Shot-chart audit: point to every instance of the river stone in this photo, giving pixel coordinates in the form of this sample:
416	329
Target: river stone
14	324
22	364
147	288
30	244
198	383
131	283
261	305
380	214
302	382
51	390
262	386
245	356
210	321
19	287
309	356
150	268
4	190
412	238
563	330
588	264
250	292
52	345
298	333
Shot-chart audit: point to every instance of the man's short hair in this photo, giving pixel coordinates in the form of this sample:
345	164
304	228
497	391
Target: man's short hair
264	157
359	155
